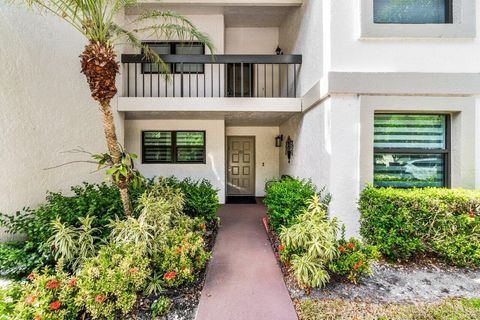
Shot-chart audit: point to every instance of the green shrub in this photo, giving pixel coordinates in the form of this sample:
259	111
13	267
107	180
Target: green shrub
405	223
201	199
9	297
14	260
310	244
181	255
109	283
160	307
99	201
354	259
48	295
286	199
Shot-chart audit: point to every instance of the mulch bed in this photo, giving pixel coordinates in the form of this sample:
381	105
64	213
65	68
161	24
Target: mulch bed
423	281
184	299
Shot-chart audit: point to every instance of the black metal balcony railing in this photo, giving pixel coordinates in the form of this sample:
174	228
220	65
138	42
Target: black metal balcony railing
246	76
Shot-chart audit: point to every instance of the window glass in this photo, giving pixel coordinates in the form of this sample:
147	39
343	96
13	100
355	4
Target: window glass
159	48
410	150
173	147
157	146
409	131
190	146
189	48
411	11
409	170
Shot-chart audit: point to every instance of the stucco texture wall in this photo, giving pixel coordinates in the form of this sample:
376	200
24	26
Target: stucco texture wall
350	53
327	150
266	154
45	108
213	169
305	31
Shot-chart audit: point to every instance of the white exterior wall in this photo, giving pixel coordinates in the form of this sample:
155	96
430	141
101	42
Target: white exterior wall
266	154
327	151
350	53
45	109
213	169
306	31
251	40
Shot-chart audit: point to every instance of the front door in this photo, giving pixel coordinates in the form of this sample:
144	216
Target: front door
241	166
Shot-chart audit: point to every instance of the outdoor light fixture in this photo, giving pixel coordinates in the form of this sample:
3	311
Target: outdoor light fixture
278	141
289	148
279	51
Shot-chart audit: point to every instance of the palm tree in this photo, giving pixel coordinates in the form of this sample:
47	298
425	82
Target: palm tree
95	19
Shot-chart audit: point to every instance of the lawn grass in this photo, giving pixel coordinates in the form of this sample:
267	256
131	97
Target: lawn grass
452	309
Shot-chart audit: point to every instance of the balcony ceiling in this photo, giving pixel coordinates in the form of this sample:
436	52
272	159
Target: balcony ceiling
237	13
256	119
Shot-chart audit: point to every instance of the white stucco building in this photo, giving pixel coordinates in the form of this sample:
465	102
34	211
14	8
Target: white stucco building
367	92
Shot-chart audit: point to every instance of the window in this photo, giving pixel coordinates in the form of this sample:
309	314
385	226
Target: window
173	147
411	150
180	48
412	11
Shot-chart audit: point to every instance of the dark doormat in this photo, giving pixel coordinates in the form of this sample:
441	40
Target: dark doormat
241	200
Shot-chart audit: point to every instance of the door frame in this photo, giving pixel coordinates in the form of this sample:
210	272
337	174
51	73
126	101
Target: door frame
227	163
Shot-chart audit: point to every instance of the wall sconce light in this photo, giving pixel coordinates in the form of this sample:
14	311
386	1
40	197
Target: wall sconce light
289	148
278	141
279	51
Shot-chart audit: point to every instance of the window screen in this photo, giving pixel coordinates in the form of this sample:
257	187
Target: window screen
173	147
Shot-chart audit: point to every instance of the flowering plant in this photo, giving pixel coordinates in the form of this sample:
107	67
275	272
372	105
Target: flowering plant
109	282
48	295
354	259
180	256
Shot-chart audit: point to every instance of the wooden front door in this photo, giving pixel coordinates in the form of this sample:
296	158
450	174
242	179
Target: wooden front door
241	166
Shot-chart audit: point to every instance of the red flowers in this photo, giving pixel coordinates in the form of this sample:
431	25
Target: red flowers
169	275
31	276
53	284
30	299
341	249
471	215
72	282
37	317
55	305
350	245
202	226
100	298
133	270
281	247
358	265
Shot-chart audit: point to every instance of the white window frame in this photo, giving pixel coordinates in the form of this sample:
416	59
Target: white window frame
463	25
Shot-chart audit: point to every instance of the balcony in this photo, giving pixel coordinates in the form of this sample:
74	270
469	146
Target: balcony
211	83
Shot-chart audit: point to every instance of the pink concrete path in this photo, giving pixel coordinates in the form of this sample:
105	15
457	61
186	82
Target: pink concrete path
244	281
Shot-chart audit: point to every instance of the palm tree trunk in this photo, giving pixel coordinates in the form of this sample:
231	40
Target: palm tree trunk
114	150
99	65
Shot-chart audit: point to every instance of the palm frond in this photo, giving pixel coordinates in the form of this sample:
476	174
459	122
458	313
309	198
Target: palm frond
169	25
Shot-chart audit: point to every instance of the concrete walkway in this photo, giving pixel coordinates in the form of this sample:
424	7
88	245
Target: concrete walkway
244	281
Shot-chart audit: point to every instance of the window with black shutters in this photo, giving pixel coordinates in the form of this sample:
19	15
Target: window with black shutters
411	150
173	147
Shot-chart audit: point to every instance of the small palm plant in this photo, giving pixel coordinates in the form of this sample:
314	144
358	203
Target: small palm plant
96	20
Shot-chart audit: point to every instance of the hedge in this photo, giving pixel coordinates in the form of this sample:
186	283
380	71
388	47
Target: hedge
407	223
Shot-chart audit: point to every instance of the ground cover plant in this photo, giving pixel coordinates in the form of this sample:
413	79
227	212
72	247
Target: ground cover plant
409	223
452	309
103	271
